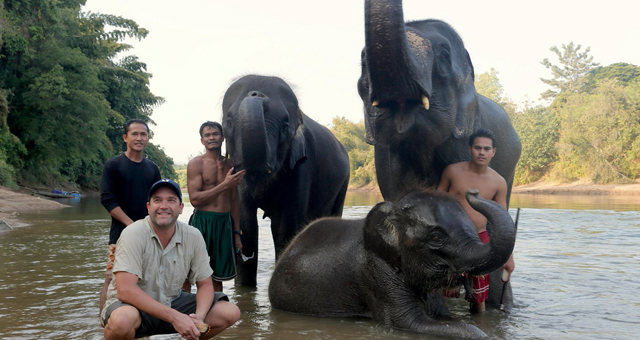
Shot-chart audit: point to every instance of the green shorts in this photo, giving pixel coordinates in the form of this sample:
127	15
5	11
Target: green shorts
217	230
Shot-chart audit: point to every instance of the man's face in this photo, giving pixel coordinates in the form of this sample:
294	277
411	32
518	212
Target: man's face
211	138
482	151
137	137
164	206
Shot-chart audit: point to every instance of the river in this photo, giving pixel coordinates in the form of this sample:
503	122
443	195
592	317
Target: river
577	267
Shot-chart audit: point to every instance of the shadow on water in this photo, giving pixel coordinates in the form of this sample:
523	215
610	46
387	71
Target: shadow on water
576	264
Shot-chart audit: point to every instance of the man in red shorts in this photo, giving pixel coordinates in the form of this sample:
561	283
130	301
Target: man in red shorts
456	179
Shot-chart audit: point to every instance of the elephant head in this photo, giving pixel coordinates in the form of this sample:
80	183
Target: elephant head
415	77
428	238
263	126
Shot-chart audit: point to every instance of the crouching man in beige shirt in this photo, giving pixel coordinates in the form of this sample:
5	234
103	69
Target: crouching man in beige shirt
153	256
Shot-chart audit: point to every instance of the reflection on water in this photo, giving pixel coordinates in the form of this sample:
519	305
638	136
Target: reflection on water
576	258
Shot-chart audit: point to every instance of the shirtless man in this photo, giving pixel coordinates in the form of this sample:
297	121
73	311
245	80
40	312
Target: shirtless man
476	174
213	193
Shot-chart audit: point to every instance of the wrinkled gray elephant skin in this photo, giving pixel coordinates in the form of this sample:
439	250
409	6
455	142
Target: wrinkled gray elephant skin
421	105
296	170
392	265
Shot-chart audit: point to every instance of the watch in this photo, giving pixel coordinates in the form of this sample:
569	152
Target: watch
238	232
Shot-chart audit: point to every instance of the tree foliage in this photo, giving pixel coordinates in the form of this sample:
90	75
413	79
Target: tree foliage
67	94
569	75
361	154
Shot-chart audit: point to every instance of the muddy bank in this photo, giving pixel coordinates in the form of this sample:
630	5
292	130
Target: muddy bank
578	188
12	202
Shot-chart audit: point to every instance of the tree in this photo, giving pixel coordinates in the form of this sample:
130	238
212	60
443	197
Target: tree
361	154
600	134
67	92
488	85
569	75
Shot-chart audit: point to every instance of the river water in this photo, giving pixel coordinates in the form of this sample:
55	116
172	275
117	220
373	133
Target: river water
577	267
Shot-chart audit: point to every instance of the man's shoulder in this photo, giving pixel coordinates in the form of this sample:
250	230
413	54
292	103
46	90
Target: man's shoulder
457	167
189	230
115	159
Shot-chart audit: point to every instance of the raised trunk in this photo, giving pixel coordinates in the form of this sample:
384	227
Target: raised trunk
385	48
251	146
502	235
396	77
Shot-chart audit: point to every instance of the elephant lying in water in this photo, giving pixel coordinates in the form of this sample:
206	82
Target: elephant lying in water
392	264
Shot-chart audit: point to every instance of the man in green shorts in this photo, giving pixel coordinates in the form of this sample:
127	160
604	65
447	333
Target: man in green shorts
213	193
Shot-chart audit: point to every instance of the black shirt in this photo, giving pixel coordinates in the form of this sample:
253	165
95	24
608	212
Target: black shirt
126	184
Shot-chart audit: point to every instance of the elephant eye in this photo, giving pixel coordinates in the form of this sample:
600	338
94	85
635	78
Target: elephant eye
436	238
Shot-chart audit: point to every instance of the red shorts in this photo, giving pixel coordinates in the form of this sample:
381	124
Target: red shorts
480	283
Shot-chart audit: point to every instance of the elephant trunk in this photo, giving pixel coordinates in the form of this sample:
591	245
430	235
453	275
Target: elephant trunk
395	74
502	236
251	144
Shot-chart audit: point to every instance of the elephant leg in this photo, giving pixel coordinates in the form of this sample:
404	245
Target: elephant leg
495	291
247	271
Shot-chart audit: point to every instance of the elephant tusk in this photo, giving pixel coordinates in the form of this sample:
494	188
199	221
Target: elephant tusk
268	170
375	103
425	102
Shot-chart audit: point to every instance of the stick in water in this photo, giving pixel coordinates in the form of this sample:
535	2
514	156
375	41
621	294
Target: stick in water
505	274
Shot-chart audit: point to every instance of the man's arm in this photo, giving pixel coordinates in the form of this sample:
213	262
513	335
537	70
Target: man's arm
445	180
204	299
129	292
108	198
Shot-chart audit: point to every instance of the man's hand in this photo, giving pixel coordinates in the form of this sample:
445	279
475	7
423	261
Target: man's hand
510	265
185	325
233	180
238	242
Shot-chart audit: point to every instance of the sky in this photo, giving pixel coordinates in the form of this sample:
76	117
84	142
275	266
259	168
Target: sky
196	48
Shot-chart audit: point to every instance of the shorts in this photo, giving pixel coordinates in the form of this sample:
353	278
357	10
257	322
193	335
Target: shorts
111	257
217	231
480	283
185	303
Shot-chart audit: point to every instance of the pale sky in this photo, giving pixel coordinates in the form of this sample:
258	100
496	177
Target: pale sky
195	49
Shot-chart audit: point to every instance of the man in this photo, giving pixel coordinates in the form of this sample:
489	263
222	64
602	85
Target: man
153	256
126	180
213	193
457	179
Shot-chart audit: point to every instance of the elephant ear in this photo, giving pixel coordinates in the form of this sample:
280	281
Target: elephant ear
298	147
467	111
382	234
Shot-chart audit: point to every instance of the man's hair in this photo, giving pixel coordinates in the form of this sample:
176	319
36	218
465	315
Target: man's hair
134	121
211	125
482	132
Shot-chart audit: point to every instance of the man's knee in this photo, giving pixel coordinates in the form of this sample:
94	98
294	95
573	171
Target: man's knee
223	313
123	320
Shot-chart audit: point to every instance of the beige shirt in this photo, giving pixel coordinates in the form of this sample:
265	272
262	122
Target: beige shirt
161	272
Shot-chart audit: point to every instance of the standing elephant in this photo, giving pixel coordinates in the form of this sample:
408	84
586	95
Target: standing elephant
392	265
296	170
421	107
420	102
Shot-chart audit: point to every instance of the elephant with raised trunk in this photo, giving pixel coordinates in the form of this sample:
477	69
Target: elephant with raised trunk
392	265
420	102
421	106
296	170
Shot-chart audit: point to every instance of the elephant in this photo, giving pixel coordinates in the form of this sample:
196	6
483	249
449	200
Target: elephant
392	265
296	170
421	106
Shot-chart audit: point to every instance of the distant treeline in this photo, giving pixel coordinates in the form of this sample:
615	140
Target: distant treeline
589	130
65	93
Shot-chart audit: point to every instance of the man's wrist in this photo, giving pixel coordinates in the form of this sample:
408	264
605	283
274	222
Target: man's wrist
237	232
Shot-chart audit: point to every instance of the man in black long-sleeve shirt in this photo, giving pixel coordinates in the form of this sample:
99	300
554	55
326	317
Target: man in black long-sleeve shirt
124	188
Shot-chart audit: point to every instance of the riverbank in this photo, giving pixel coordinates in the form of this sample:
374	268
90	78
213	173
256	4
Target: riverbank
578	188
12	202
